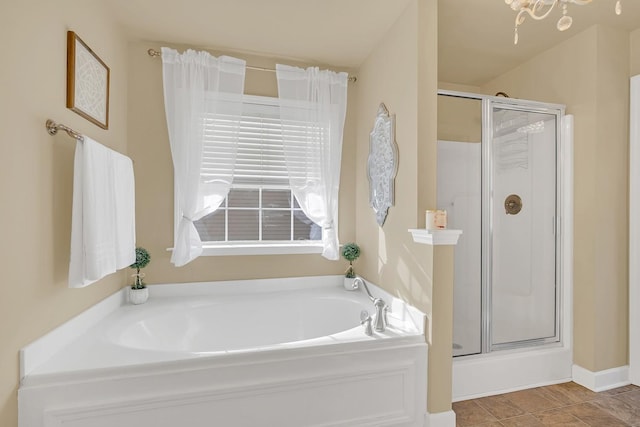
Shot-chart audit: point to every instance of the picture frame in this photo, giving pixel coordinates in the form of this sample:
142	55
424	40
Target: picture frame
87	82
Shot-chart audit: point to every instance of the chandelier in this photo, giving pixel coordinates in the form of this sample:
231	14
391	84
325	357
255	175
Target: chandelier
540	9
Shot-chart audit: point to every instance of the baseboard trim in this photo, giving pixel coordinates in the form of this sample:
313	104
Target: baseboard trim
601	380
441	419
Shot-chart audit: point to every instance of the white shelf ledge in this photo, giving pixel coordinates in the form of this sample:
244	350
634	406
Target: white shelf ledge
435	237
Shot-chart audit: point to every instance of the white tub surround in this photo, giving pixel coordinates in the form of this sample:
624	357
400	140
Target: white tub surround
292	350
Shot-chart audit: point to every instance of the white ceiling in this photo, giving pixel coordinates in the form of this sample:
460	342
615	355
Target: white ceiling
475	36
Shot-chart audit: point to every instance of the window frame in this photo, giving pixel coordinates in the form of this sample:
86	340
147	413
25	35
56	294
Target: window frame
285	247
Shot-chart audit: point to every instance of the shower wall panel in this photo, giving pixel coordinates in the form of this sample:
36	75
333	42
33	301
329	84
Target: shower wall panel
459	187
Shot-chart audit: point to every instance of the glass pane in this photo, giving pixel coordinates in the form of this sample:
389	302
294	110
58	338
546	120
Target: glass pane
276	225
304	228
243	225
459	192
276	199
523	210
243	198
211	227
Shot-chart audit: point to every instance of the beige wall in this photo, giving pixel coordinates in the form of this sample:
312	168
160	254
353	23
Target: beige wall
611	286
149	147
389	75
459	87
589	74
37	170
401	72
440	262
635	52
459	119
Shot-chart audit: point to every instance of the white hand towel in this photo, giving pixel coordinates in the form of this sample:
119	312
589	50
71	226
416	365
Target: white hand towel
125	211
102	225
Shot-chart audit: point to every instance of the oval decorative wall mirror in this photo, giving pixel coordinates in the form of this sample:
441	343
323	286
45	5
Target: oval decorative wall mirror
382	165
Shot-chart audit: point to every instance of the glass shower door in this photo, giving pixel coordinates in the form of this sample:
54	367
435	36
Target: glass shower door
459	192
521	236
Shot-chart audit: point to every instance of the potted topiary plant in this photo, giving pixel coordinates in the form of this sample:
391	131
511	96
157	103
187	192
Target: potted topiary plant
138	293
350	252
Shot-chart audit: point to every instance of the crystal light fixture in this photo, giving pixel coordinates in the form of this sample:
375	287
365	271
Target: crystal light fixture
540	9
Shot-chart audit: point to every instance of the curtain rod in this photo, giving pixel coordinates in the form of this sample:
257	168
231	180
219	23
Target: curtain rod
154	53
53	128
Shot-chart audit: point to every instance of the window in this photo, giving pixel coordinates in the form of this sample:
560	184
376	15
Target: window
260	210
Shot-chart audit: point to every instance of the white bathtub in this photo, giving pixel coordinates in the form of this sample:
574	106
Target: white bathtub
279	352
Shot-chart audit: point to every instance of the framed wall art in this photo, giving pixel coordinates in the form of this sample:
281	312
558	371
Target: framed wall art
87	82
382	165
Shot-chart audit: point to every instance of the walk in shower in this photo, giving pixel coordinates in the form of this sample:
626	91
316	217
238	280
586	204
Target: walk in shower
499	179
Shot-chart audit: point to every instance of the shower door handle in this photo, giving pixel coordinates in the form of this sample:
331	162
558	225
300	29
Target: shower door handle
513	204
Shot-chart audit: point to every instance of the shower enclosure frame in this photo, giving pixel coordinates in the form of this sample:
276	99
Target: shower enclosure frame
488	105
490	372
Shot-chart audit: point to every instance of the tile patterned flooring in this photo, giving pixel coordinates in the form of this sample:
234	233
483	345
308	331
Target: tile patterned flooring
567	404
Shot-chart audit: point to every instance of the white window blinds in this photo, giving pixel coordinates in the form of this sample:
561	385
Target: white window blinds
260	157
260	207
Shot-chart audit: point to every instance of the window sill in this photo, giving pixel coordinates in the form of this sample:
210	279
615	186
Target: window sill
265	249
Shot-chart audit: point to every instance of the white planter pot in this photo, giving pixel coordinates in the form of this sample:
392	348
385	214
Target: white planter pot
138	296
349	285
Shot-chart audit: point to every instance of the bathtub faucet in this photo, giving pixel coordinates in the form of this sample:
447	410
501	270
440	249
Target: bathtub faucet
380	322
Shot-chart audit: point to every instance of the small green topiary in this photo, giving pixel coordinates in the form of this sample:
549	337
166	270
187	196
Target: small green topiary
142	259
350	252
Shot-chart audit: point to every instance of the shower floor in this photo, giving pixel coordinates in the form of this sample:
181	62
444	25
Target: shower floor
566	404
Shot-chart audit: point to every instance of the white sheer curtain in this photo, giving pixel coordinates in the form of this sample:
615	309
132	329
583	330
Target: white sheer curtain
313	103
199	88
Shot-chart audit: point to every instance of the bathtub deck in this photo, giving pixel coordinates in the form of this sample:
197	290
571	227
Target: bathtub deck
94	351
100	379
